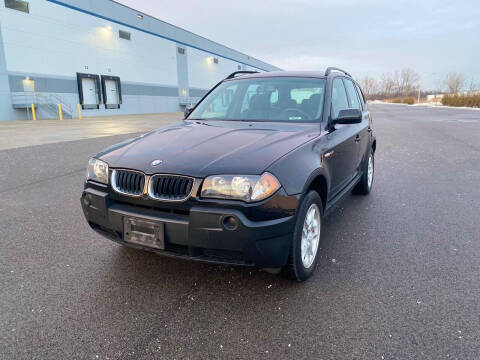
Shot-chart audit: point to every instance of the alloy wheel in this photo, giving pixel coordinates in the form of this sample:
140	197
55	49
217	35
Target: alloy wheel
310	236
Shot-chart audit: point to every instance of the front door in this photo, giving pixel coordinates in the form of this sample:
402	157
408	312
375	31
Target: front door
341	157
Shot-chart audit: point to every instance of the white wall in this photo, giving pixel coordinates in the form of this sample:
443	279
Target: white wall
203	73
55	40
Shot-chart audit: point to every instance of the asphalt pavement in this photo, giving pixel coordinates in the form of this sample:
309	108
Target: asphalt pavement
15	134
399	275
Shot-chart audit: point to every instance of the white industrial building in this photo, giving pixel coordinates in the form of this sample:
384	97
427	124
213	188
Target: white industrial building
107	57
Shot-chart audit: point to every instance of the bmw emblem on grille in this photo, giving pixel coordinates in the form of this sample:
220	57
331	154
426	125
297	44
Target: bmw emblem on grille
157	162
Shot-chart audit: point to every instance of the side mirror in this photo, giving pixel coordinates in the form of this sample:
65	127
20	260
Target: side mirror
349	116
187	111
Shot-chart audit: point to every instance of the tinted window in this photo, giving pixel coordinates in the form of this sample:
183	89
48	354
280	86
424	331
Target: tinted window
265	99
352	94
339	97
252	89
218	107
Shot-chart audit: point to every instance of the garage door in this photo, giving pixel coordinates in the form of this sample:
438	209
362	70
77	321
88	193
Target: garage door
111	91
89	88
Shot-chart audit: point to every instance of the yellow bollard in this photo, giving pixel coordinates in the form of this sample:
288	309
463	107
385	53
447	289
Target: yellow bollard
34	114
60	114
79	108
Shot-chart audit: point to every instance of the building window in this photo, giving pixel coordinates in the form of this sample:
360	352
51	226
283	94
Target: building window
181	51
17	5
239	67
215	60
124	34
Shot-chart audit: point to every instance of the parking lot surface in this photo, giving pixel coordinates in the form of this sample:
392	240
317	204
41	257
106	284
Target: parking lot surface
15	134
398	278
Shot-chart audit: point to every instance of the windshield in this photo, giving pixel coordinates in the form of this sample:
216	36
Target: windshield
264	99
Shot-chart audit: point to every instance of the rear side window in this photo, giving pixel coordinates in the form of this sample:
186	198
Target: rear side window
352	94
339	97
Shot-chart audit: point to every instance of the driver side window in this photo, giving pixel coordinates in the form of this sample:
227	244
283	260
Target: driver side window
339	97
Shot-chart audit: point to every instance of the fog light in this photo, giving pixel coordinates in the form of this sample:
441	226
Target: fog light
86	200
230	223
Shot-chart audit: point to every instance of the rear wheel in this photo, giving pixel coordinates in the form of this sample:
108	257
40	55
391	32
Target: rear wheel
306	238
365	185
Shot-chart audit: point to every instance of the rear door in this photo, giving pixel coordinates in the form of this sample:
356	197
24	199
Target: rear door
342	154
361	130
367	116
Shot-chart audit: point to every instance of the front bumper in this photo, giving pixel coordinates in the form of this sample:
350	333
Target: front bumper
199	233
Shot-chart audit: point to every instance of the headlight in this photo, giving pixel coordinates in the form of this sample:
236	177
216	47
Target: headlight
248	188
97	170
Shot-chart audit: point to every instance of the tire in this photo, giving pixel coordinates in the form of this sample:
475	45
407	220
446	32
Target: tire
297	268
364	186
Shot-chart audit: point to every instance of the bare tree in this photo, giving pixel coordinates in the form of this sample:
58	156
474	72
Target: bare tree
397	84
472	85
369	86
438	86
408	82
387	85
454	82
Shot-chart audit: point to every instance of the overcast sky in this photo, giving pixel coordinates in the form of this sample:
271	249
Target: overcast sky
368	37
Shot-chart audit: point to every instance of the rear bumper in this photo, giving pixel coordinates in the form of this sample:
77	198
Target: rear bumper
199	234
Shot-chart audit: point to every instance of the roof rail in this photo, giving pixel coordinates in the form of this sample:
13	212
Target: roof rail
330	69
232	75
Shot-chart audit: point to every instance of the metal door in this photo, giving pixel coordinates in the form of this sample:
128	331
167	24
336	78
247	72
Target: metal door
342	154
111	92
89	88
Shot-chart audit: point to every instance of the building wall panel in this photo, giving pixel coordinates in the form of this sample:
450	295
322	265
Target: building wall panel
59	38
6	111
38	43
203	72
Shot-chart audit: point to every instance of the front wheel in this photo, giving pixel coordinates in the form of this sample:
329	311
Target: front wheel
306	238
365	185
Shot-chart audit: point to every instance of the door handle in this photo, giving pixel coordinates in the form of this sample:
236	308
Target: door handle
328	154
357	138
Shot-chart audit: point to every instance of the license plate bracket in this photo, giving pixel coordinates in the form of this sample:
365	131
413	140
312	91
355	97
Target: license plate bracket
144	232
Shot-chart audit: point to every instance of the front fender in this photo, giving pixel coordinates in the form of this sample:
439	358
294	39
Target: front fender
298	169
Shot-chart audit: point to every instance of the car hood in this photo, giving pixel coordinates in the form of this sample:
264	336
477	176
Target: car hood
200	149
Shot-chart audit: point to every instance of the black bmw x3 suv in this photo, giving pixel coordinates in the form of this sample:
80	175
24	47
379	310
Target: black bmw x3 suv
246	178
